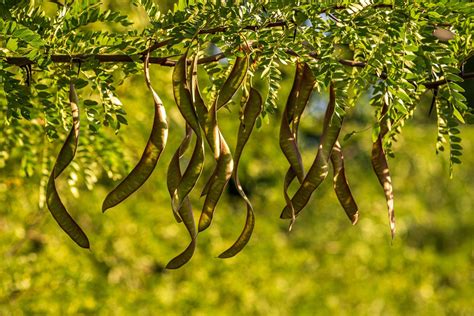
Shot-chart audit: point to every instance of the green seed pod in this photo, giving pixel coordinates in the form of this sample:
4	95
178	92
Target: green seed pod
154	147
234	81
253	108
319	169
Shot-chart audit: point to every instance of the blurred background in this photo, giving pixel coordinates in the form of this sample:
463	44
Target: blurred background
324	266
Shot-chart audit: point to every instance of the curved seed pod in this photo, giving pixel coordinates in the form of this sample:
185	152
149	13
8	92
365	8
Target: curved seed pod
219	180
289	177
380	166
182	94
341	187
214	142
184	101
289	147
234	81
155	145
298	99
229	88
205	117
208	122
173	176
252	110
185	212
303	93
65	156
319	169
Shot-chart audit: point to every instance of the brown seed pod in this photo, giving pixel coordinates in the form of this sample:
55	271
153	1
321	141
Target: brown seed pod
319	169
341	187
380	166
65	156
252	110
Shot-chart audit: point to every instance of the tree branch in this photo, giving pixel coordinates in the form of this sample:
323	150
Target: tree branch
435	84
167	61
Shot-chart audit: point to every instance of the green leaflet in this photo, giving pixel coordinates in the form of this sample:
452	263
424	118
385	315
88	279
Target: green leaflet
155	145
218	182
65	156
185	212
252	110
234	81
380	166
319	169
185	104
341	187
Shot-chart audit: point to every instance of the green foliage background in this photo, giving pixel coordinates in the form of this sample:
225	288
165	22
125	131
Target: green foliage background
324	266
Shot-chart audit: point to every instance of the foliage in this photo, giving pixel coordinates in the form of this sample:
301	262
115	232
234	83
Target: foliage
397	50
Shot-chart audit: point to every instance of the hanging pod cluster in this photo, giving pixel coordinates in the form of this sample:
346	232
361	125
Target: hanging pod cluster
329	150
201	123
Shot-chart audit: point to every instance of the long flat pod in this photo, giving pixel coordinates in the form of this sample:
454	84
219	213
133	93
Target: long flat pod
228	89
173	176
319	169
341	187
380	166
65	156
153	149
303	94
298	99
252	110
219	180
207	120
184	101
234	81
185	212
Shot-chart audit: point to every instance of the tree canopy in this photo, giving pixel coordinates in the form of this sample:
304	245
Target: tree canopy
55	64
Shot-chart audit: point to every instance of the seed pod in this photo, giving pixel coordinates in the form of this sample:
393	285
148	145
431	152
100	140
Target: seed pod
185	104
65	156
297	101
234	81
218	182
150	156
380	166
184	212
341	187
229	88
174	171
319	169
252	110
